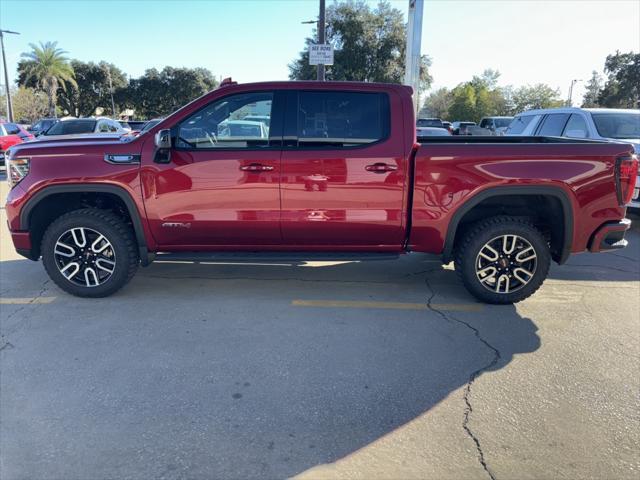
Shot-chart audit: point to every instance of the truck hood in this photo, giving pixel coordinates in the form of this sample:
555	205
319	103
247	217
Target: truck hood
43	143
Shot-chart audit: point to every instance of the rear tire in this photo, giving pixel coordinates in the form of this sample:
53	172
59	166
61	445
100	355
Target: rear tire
89	252
502	260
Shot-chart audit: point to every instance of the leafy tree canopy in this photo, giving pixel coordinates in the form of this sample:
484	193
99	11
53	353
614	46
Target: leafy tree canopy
536	96
93	89
622	89
28	104
593	88
369	45
159	93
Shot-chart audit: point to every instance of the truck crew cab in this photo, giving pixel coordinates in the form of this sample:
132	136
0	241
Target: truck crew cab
338	170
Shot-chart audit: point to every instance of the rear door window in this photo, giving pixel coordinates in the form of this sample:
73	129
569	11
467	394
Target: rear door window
553	125
337	119
576	127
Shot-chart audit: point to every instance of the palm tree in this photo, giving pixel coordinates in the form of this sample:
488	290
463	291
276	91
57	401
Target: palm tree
47	65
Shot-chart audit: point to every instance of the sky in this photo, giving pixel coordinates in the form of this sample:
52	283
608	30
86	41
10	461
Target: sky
529	42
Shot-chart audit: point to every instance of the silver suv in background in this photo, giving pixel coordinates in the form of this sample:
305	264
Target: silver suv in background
607	124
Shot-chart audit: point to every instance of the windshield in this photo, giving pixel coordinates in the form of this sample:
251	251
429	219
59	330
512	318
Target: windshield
433	132
617	125
150	124
70	127
502	122
254	118
428	122
239	130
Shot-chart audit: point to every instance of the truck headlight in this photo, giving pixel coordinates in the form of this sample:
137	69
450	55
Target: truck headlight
17	169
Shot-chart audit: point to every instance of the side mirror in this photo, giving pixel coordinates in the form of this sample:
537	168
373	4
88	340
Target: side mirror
163	139
576	134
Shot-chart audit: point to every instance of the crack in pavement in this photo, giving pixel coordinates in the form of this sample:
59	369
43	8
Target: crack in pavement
15	328
624	256
467	392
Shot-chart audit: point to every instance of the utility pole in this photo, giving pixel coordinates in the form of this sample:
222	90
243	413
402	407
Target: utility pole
321	37
570	99
413	58
6	74
113	105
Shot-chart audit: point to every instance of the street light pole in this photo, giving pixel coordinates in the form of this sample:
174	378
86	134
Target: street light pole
321	37
113	105
6	74
569	100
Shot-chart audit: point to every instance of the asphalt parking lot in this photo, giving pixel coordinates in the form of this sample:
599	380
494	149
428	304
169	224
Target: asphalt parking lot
320	370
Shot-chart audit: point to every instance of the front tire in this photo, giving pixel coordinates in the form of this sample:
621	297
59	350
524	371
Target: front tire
502	260
89	252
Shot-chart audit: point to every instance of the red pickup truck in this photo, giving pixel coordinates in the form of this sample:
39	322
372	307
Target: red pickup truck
315	167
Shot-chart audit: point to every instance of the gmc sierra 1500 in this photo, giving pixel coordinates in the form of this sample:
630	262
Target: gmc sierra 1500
315	167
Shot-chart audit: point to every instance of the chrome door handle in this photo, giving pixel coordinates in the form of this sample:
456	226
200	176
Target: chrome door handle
256	167
381	168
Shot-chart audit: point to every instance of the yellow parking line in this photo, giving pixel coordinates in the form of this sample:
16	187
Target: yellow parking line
453	307
26	300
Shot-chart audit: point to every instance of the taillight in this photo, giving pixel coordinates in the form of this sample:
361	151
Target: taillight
17	169
626	172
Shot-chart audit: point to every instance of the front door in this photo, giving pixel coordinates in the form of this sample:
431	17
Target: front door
343	174
221	185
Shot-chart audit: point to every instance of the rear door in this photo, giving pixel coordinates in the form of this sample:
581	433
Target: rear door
343	169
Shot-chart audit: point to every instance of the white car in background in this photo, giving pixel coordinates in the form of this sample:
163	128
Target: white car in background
607	124
82	126
432	132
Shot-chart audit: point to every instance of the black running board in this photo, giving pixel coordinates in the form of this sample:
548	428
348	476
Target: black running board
275	256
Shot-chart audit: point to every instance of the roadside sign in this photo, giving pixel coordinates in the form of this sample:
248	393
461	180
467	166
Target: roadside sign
321	54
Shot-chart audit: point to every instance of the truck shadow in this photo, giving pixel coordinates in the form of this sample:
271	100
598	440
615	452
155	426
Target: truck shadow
314	385
217	367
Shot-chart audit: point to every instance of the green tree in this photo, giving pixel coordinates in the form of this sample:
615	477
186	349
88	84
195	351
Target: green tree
158	93
49	68
437	104
593	88
92	89
536	96
463	104
622	89
28	104
480	97
369	45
